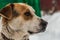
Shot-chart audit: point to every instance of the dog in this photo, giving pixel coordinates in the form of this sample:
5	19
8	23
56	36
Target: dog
19	21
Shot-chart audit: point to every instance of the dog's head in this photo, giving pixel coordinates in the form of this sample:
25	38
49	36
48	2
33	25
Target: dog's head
21	16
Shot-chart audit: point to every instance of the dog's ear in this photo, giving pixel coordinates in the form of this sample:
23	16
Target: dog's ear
6	12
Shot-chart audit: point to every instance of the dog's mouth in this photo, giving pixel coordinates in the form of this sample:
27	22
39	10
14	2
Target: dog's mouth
30	32
41	30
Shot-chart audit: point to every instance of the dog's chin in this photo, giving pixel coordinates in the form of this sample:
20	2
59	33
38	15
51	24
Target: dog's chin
42	30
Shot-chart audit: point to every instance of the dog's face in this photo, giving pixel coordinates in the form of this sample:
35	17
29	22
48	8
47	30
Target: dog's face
21	16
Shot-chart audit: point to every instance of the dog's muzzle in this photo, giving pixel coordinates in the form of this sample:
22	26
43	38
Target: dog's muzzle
43	24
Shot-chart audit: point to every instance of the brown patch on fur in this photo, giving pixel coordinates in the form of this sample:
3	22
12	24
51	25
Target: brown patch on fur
22	10
9	12
14	10
15	13
6	12
27	15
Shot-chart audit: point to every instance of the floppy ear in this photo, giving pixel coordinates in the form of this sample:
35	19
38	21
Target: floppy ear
6	12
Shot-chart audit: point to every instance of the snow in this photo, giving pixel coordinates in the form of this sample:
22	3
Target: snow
53	28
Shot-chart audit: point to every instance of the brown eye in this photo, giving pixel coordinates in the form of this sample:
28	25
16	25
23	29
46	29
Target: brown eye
27	14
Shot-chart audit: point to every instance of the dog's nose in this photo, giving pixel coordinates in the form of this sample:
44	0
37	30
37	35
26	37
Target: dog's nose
43	23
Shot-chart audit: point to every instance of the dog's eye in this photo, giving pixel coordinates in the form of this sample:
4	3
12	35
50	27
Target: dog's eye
27	13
